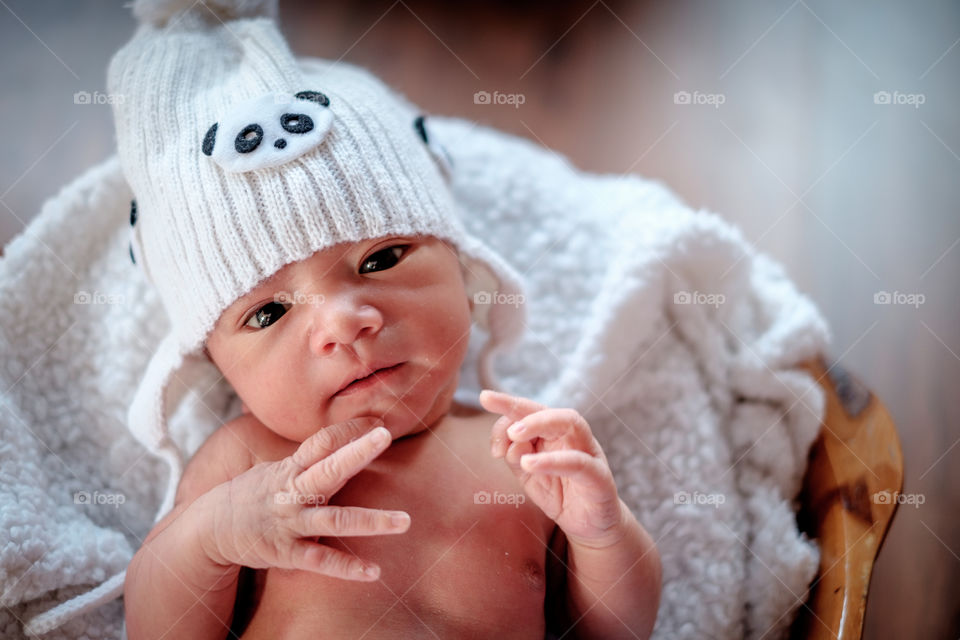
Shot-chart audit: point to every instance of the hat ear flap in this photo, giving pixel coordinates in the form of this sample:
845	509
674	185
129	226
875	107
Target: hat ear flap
437	152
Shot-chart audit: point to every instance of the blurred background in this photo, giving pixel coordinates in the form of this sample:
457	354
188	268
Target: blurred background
822	129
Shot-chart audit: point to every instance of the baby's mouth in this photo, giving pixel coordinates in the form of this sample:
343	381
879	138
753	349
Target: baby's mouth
366	381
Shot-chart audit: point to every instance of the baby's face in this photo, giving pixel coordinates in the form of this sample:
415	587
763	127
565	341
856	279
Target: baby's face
290	345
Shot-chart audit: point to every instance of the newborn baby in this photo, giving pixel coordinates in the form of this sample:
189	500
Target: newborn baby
354	498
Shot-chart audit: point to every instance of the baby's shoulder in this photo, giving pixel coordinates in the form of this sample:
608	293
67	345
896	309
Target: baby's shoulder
230	451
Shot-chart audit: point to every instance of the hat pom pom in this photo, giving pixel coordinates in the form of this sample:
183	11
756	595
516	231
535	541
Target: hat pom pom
158	12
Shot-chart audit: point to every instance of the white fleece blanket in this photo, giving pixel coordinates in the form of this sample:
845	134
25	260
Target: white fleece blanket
672	336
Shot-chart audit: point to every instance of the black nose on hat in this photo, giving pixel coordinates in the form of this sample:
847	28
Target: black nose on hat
280	143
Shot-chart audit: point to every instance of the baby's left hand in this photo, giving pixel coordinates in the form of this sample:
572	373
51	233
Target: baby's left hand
560	465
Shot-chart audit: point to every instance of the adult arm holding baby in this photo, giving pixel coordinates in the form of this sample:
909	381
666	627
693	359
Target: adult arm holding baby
182	582
613	567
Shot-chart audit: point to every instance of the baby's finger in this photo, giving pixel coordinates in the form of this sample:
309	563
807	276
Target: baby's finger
498	437
311	556
329	439
553	424
513	455
590	472
350	521
514	407
330	474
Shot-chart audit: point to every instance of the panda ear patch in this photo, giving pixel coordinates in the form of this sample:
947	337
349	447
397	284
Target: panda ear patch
421	128
437	152
313	96
210	140
133	232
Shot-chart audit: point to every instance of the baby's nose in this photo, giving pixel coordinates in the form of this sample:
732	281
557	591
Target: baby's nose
342	321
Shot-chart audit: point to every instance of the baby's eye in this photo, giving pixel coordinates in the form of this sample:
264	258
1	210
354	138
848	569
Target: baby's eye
383	259
266	315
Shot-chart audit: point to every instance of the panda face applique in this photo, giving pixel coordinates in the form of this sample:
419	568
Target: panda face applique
268	131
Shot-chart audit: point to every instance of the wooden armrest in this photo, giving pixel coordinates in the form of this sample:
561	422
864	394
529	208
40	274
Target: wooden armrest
848	501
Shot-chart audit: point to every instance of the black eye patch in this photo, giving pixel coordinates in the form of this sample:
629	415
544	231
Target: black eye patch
296	122
244	142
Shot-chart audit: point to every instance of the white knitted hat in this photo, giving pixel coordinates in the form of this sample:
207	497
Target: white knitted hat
241	162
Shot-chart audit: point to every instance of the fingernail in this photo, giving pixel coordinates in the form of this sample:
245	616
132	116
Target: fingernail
399	520
380	435
516	429
371	571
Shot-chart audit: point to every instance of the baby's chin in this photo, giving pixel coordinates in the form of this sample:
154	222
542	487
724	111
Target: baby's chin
404	423
414	413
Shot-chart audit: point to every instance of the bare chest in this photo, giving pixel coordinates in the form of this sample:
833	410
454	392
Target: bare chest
473	559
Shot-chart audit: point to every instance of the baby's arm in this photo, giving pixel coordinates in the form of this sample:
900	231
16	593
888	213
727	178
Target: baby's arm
613	567
184	577
614	591
172	586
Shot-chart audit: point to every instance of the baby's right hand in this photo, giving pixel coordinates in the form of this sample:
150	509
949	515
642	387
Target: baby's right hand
271	515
